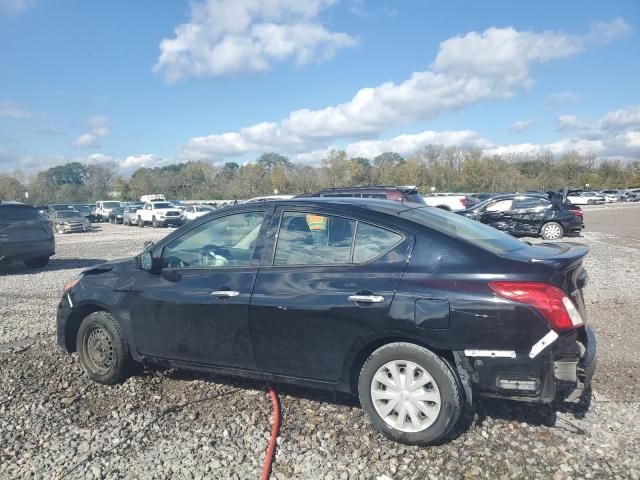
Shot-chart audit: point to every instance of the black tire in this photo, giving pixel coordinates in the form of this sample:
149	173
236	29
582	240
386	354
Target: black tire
552	231
129	224
154	222
103	349
39	262
447	382
140	222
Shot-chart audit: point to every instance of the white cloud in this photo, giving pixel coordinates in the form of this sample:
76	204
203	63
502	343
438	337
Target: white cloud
621	118
230	36
14	110
15	6
149	160
520	126
476	67
98	127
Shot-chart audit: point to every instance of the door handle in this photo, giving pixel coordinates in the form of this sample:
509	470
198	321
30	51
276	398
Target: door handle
366	298
225	293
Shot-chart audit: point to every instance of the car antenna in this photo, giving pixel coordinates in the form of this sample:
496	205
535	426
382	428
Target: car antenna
411	190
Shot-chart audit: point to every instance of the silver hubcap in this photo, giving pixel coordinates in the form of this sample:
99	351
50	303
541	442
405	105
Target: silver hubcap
552	231
405	396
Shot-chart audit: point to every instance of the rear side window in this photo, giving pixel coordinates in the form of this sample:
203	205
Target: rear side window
531	202
314	239
372	241
18	212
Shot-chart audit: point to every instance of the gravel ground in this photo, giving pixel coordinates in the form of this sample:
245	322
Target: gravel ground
55	423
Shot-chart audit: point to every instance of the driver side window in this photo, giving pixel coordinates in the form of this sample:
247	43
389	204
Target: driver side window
499	206
223	242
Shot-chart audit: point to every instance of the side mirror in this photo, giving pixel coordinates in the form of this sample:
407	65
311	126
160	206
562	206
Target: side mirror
146	261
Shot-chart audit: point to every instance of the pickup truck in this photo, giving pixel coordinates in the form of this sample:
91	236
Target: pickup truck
447	201
159	214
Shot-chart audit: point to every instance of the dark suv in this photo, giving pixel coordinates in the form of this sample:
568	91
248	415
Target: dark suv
411	308
408	194
25	235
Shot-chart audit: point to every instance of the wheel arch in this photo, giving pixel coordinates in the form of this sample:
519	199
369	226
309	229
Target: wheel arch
74	321
363	350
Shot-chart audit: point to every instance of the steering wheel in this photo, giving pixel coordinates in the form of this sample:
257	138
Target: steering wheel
175	262
215	256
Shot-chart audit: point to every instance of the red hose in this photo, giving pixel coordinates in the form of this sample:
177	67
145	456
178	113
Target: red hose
271	449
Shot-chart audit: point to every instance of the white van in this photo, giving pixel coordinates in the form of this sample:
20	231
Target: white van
103	209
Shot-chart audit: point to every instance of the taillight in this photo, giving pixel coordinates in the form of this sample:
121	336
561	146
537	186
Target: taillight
552	303
463	201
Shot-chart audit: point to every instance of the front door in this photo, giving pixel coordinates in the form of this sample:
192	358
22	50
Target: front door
498	214
329	282
197	308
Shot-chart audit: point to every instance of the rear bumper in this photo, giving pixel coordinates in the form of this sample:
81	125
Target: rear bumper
561	371
20	251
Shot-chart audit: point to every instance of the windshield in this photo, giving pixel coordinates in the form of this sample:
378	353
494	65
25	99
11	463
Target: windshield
455	225
415	198
82	208
110	204
162	205
67	214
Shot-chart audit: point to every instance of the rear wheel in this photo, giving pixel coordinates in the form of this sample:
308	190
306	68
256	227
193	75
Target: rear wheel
552	231
103	349
37	262
410	394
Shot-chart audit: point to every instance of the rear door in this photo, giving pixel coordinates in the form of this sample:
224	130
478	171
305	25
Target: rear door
529	213
328	281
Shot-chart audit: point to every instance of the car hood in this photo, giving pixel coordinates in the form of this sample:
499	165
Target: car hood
77	218
112	265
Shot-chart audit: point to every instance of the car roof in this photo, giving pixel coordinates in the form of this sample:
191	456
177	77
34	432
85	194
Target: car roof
392	207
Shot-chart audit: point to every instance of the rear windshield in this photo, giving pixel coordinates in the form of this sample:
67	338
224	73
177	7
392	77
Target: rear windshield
464	228
18	212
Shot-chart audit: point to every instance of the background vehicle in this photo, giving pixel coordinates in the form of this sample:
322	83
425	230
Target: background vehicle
612	195
56	207
447	201
159	214
69	221
130	214
347	295
84	210
103	209
527	215
152	198
586	198
408	194
25	235
116	215
195	211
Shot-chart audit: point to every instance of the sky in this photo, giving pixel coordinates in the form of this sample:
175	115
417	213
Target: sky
149	82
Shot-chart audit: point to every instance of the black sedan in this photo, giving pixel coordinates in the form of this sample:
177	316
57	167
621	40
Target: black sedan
415	310
116	215
527	215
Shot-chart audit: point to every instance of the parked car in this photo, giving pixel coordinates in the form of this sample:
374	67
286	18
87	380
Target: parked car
415	310
447	201
103	209
195	211
632	195
612	195
130	214
84	210
69	221
116	215
159	214
56	207
25	235
408	194
586	198
527	215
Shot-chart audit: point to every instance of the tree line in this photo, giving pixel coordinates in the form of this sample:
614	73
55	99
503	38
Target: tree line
435	167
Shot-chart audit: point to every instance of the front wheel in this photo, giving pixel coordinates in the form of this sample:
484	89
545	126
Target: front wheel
552	231
410	394
103	349
155	223
140	222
